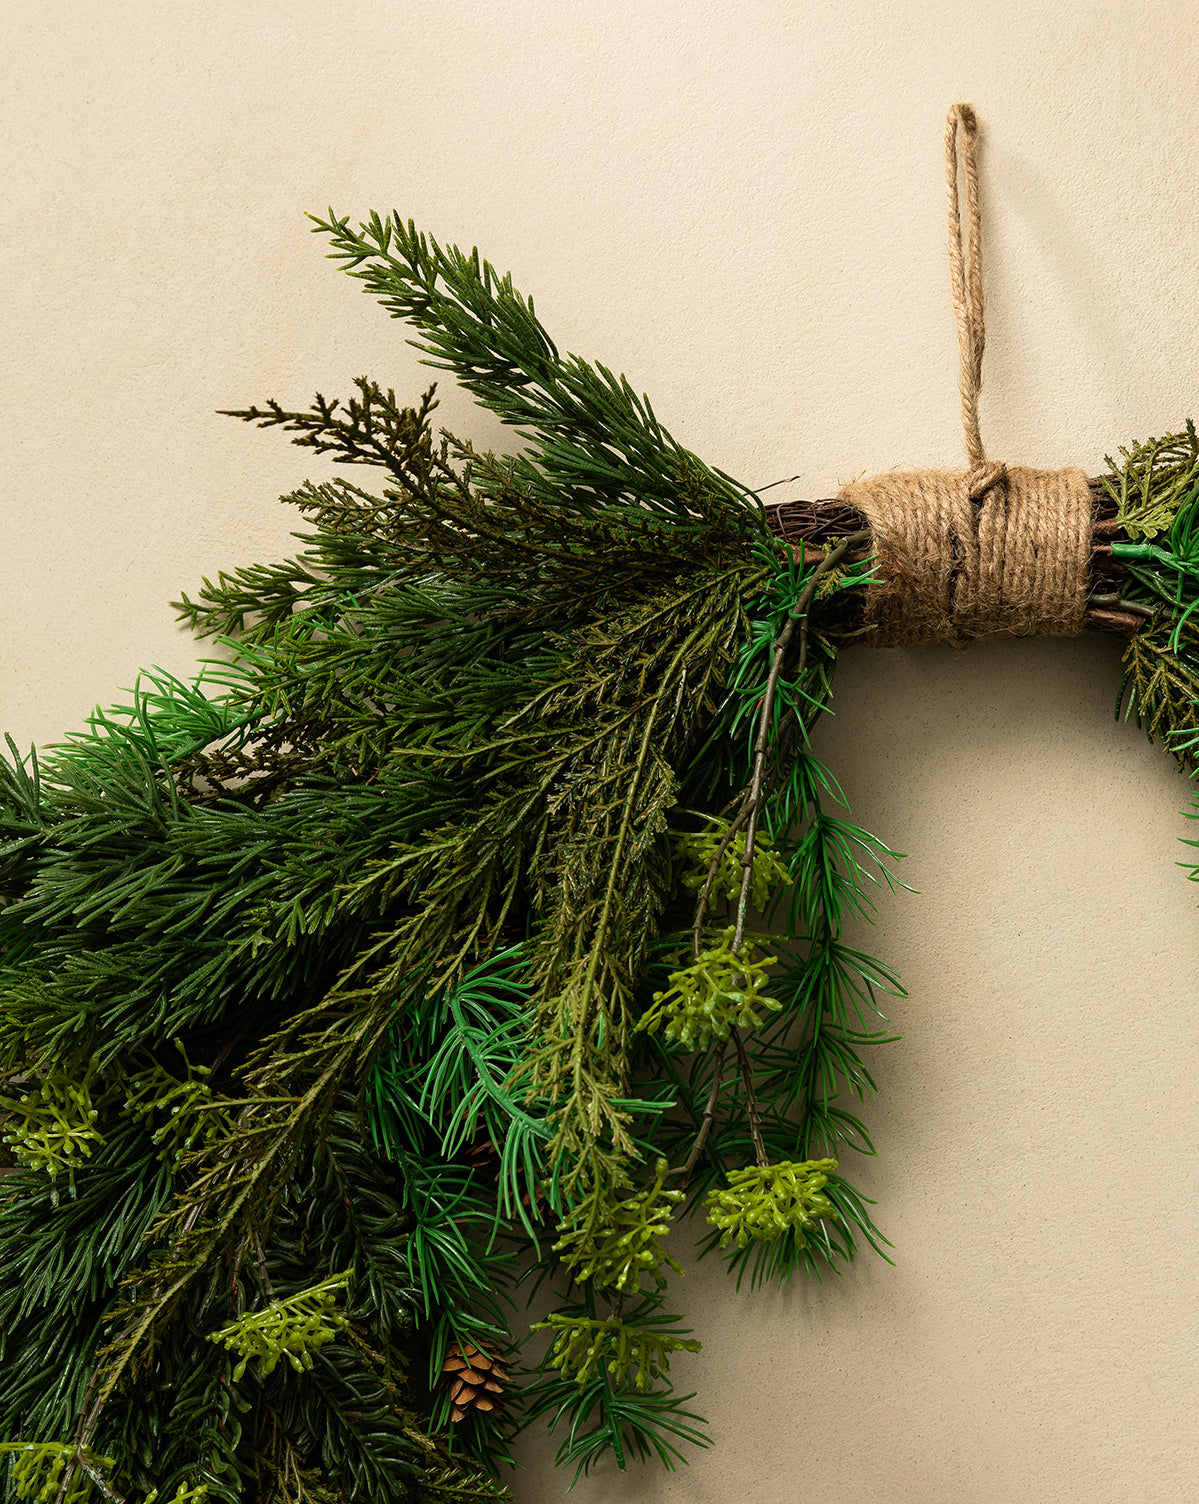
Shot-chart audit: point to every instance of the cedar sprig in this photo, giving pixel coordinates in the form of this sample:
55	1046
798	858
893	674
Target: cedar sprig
188	1111
1160	685
1153	480
370	429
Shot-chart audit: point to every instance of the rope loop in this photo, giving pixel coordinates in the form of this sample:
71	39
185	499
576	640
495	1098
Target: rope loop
992	551
966	269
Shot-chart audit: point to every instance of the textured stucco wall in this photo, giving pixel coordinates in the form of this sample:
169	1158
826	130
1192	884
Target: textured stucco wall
740	204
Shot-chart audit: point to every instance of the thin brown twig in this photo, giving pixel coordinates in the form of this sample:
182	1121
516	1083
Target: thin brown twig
705	1127
750	801
799	615
260	1260
751	1100
96	1477
83	1434
1128	622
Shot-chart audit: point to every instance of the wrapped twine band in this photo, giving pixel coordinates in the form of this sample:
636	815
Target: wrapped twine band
962	557
992	551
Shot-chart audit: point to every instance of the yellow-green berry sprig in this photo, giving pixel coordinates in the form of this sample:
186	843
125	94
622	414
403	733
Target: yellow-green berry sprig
763	1202
701	848
634	1356
186	1493
293	1328
627	1244
191	1112
52	1126
37	1472
721	990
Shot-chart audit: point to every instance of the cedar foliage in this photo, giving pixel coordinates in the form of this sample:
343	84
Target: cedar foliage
323	973
1157	492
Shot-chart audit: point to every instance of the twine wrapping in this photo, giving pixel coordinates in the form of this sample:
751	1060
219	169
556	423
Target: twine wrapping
953	571
992	551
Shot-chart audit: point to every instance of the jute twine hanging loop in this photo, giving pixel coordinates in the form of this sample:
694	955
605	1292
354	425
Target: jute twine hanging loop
993	551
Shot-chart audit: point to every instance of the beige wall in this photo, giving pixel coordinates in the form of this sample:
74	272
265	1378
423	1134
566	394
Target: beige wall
739	203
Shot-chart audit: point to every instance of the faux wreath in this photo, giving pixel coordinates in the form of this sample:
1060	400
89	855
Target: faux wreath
482	916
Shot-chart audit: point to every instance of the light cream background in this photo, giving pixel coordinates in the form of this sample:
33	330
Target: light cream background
741	206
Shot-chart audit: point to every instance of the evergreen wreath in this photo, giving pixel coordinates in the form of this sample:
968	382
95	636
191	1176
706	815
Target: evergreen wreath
476	920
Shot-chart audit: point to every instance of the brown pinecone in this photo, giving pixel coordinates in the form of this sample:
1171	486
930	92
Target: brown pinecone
482	1155
476	1379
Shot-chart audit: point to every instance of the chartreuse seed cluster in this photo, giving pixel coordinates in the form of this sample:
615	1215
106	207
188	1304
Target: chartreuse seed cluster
762	1202
294	1329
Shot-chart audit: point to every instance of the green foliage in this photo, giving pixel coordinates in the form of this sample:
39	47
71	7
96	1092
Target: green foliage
590	439
1160	686
805	1062
765	1201
294	1328
38	1468
633	1355
342	1420
1165	577
60	1265
721	990
191	1114
441	1084
609	1414
449	1483
1158	492
603	1423
52	1126
699	849
1154	480
359	935
198	1426
628	1244
438	885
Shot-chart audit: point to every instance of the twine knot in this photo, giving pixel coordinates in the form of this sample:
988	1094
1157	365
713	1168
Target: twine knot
983	477
993	551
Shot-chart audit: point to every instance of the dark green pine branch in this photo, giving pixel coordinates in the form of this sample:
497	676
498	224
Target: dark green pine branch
593	439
